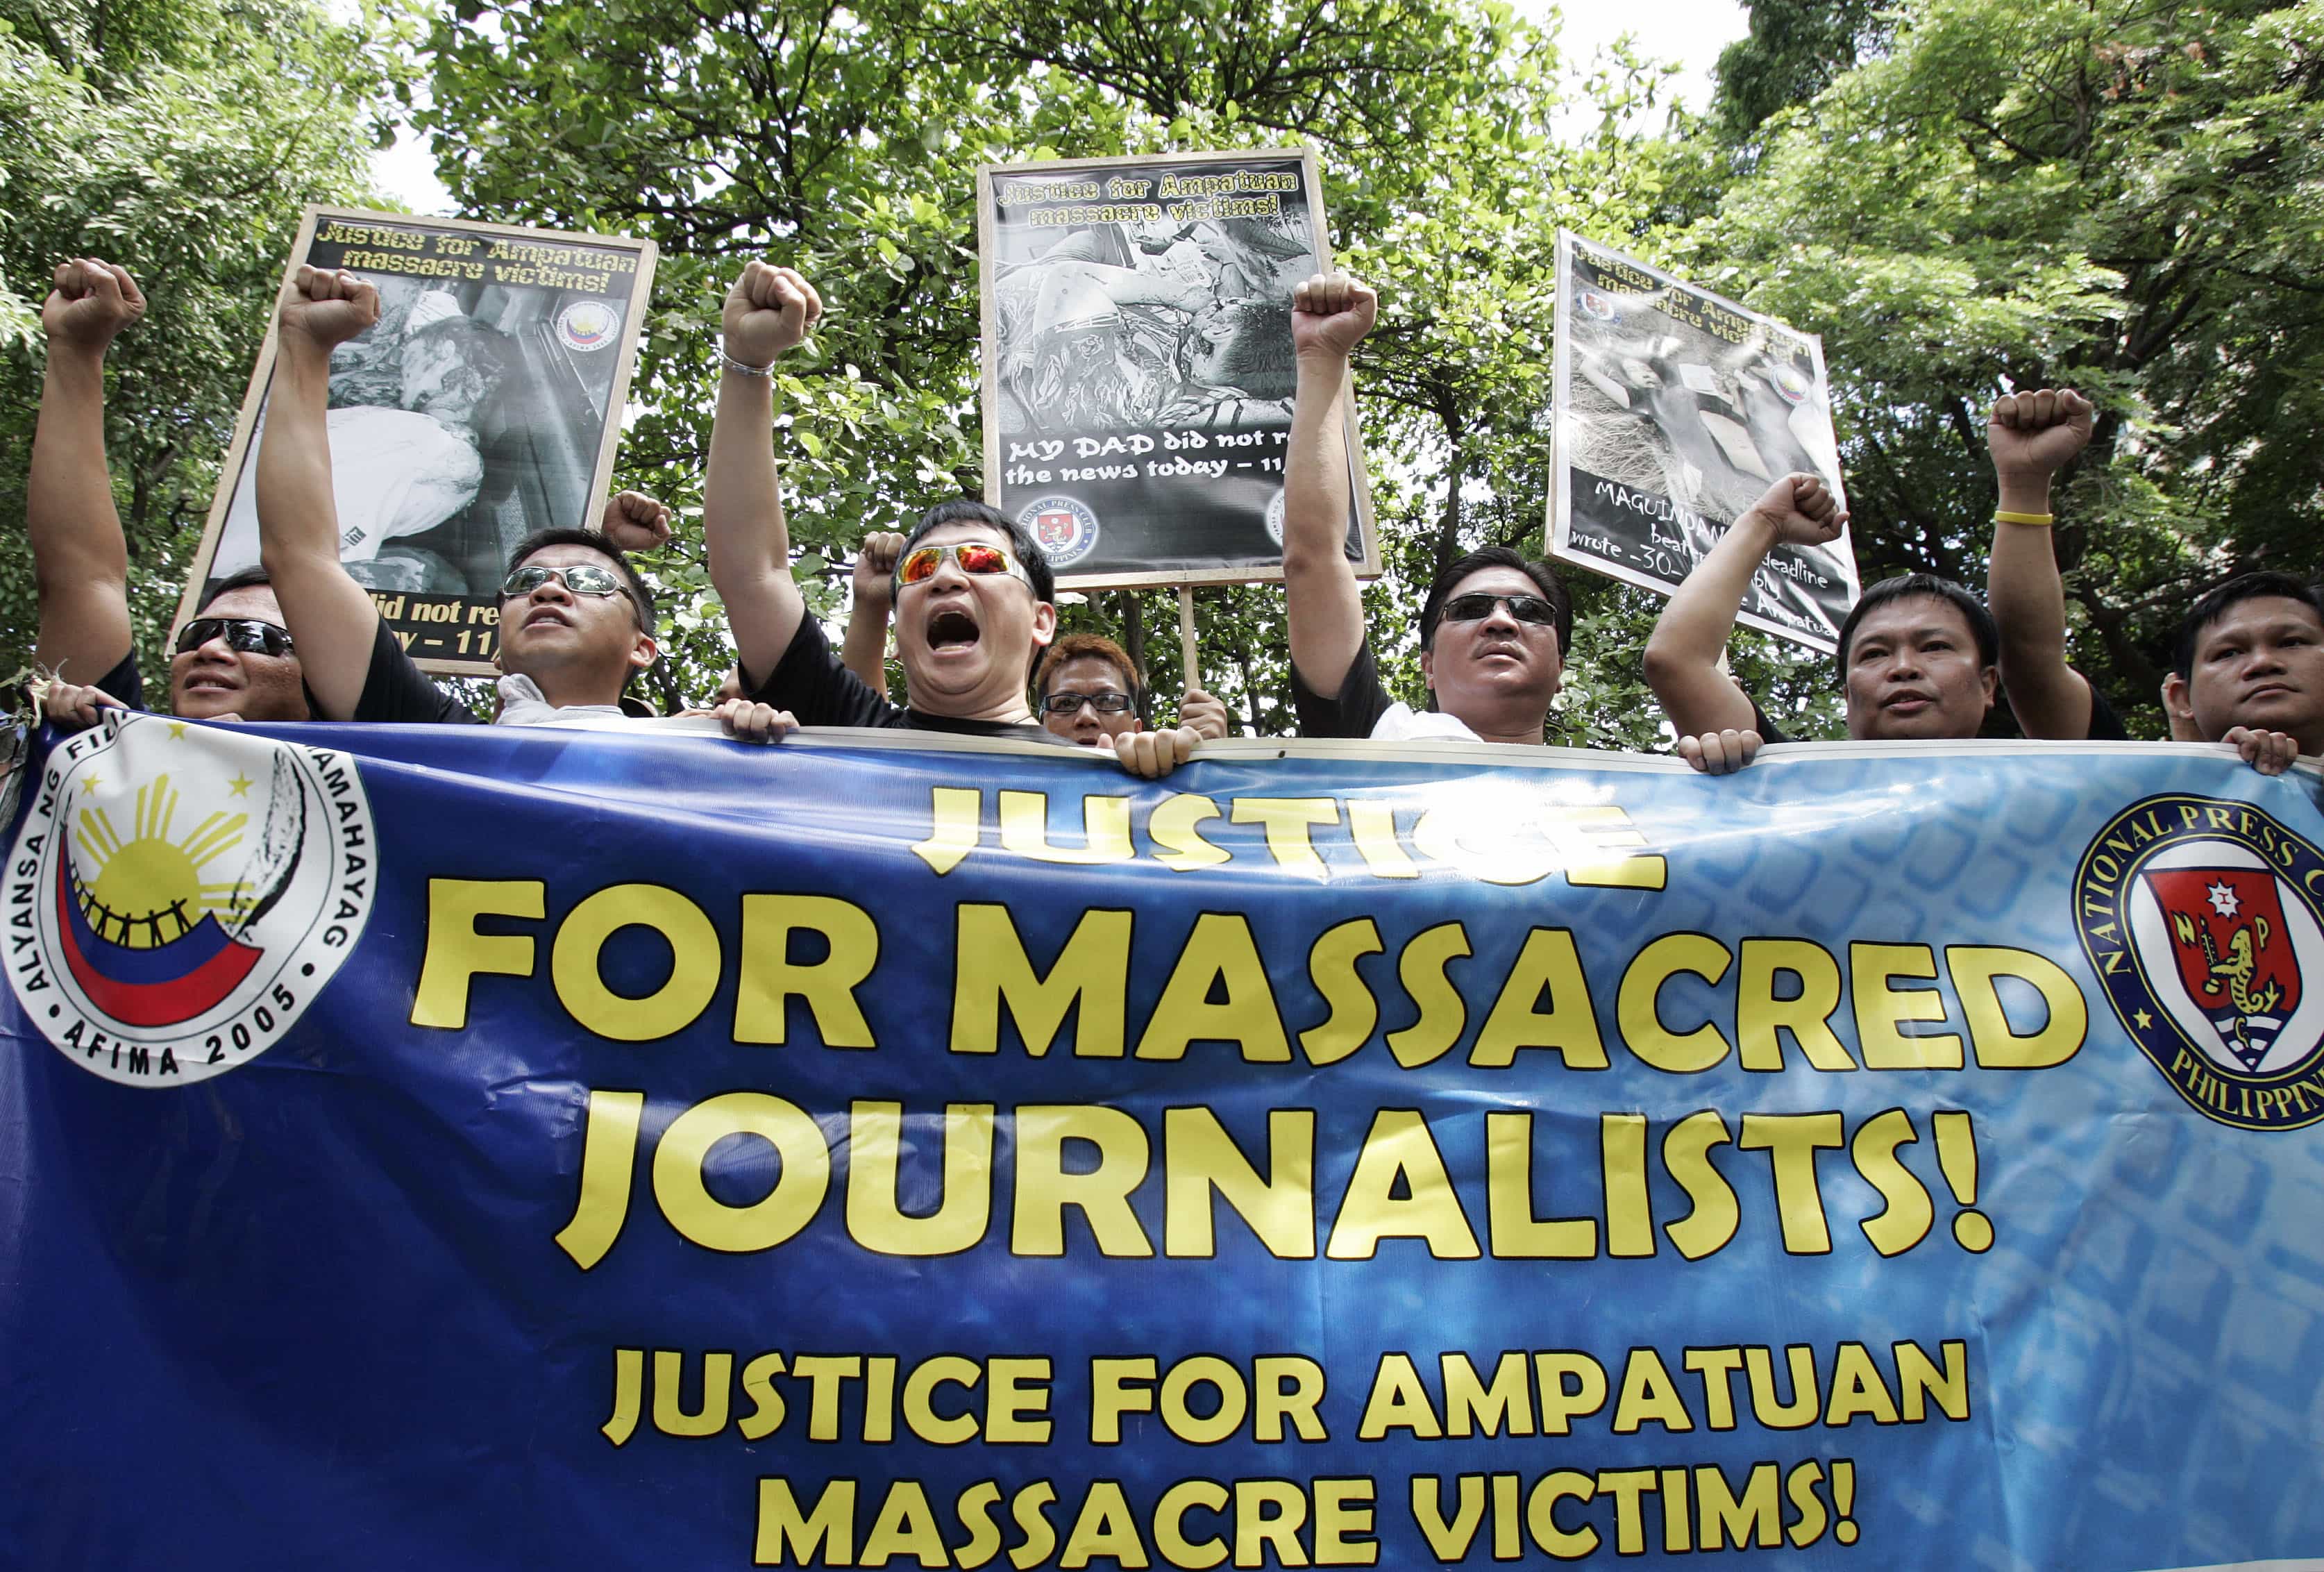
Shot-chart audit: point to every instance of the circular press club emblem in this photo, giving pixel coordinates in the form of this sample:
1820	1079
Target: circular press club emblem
1064	527
589	324
178	894
2204	921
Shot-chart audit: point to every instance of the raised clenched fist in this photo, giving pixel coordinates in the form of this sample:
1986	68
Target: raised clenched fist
92	301
1800	510
2036	434
1330	315
769	312
875	567
635	522
323	309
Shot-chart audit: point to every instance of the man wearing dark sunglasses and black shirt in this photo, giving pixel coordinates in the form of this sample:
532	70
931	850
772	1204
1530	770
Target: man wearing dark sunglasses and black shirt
974	595
1493	630
235	659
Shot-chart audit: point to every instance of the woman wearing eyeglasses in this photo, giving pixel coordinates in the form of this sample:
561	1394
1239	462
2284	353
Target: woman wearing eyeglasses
1086	688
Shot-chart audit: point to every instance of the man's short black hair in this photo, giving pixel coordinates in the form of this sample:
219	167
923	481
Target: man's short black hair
640	597
248	578
1980	621
1552	590
1022	545
2213	603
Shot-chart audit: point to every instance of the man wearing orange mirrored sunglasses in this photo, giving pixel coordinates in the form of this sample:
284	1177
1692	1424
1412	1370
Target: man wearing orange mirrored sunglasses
974	595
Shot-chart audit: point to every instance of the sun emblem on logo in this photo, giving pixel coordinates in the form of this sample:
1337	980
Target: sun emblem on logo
2202	919
589	326
190	890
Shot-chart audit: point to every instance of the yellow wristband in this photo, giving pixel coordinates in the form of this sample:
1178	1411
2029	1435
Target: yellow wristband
2040	521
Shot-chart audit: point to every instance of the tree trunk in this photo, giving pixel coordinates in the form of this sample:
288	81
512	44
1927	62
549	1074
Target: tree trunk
1448	527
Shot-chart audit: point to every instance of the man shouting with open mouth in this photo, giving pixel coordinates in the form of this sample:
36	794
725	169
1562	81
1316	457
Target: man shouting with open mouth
974	595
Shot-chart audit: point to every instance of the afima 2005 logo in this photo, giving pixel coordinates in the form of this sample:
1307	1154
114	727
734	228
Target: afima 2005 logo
2205	922
179	894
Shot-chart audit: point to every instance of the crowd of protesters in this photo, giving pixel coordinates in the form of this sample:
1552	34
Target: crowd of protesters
973	606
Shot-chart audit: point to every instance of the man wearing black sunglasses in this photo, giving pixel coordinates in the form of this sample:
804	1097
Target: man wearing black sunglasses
233	661
974	597
1494	628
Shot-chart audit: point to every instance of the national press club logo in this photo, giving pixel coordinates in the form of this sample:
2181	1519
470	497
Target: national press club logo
1064	527
2204	919
178	894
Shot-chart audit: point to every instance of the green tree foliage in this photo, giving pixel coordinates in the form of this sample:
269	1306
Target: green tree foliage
1794	51
2118	196
844	141
179	138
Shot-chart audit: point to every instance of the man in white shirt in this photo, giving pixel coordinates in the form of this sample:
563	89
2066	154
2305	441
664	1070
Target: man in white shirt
1493	630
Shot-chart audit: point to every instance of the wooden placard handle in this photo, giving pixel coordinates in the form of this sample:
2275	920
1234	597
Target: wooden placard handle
1186	635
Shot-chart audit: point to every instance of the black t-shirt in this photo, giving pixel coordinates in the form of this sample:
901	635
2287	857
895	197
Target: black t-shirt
815	686
1769	732
1352	712
2105	726
125	682
398	692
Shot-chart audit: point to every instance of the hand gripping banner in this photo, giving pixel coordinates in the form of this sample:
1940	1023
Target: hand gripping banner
475	1148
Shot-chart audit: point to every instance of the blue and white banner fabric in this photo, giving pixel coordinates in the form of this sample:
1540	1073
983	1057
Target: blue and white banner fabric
493	1148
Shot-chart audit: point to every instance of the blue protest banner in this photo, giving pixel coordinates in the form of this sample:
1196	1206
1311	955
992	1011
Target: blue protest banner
473	1148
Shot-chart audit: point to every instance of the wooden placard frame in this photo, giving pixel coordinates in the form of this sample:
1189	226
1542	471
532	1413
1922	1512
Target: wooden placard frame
646	253
1671	549
1367	566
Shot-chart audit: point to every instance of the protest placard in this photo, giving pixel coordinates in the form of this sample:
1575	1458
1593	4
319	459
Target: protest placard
1137	361
484	405
1673	411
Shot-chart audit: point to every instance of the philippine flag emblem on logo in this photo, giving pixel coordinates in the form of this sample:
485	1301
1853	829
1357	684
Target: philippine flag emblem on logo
186	891
589	324
1064	527
2201	918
